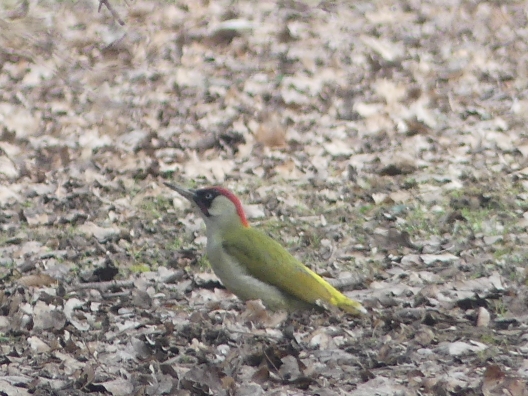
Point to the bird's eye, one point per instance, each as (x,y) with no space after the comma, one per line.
(208,196)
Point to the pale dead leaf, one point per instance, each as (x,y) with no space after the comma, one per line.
(18,119)
(102,234)
(254,211)
(189,77)
(37,345)
(400,196)
(386,15)
(390,91)
(460,348)
(430,259)
(257,312)
(38,219)
(8,168)
(388,50)
(380,385)
(69,309)
(380,198)
(118,387)
(213,170)
(131,141)
(320,339)
(483,317)
(90,140)
(12,390)
(366,110)
(8,196)
(523,148)
(290,368)
(337,149)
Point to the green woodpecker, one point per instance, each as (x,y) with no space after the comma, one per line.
(252,265)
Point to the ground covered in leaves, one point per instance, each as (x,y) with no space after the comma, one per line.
(383,143)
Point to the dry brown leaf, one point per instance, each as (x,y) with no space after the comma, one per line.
(271,133)
(37,280)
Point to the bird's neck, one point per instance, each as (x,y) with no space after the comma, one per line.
(223,226)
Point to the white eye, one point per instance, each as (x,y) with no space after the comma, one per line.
(208,196)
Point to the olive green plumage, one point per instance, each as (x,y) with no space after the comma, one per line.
(276,266)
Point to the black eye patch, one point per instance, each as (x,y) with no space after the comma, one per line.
(204,198)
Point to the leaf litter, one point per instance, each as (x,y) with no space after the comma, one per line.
(388,156)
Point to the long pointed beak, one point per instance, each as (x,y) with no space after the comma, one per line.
(189,194)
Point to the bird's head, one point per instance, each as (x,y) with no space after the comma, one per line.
(218,206)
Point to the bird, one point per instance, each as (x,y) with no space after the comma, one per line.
(252,265)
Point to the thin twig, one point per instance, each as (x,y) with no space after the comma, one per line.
(124,293)
(342,283)
(275,367)
(112,11)
(102,286)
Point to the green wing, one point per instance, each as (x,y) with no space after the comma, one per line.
(273,264)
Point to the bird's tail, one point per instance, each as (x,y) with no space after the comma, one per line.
(353,307)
